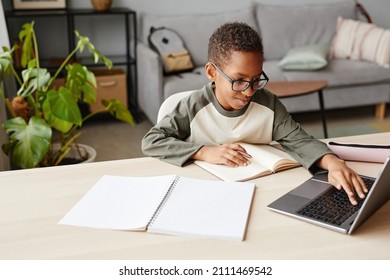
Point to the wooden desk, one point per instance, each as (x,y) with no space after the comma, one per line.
(297,88)
(33,201)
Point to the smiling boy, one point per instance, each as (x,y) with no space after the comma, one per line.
(235,107)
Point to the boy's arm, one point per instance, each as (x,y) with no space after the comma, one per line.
(166,140)
(315,155)
(168,147)
(301,146)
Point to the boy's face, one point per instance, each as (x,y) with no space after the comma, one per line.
(246,66)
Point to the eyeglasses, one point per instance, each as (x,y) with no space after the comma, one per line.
(242,85)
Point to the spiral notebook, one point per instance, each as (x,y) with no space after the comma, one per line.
(168,204)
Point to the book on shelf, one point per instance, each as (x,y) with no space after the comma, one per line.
(168,204)
(265,160)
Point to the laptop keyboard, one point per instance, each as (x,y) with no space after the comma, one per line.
(333,206)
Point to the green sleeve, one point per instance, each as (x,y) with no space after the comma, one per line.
(303,147)
(166,140)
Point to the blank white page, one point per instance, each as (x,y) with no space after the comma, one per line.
(118,202)
(206,208)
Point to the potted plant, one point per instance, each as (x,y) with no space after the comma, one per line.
(43,115)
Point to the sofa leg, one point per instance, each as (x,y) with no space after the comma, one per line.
(380,111)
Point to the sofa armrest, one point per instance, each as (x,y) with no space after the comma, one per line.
(150,81)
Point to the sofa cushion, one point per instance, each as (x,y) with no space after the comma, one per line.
(195,29)
(285,27)
(273,71)
(344,72)
(340,98)
(361,41)
(305,58)
(184,81)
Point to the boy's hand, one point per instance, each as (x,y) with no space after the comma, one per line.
(342,177)
(228,154)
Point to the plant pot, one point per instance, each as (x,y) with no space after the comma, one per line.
(78,153)
(101,5)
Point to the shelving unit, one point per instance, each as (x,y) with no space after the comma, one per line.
(127,59)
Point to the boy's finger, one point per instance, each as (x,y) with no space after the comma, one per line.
(245,154)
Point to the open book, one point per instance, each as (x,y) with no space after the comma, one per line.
(166,204)
(266,159)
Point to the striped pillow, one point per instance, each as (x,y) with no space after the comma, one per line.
(361,41)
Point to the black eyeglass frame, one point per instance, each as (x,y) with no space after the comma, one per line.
(248,83)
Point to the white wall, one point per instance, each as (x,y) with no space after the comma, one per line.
(378,9)
(3,29)
(4,163)
(112,41)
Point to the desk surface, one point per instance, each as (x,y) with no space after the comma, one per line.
(33,201)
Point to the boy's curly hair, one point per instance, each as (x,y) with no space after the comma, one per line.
(230,37)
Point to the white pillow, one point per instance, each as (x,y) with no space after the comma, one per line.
(361,41)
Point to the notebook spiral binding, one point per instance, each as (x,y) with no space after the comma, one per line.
(173,184)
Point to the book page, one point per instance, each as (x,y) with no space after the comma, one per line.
(240,173)
(214,209)
(118,202)
(269,156)
(265,160)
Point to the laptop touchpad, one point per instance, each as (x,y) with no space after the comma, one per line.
(311,188)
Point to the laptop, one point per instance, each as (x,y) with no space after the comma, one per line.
(318,202)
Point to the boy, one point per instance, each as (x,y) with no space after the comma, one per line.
(235,107)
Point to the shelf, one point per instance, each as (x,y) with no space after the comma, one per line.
(54,63)
(92,12)
(66,12)
(127,59)
(35,13)
(116,60)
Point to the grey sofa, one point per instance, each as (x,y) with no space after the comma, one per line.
(350,83)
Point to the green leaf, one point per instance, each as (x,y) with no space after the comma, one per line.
(89,89)
(33,79)
(84,42)
(117,109)
(75,78)
(61,109)
(81,82)
(32,63)
(26,35)
(29,143)
(6,61)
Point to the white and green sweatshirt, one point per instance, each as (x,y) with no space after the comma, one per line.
(199,120)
